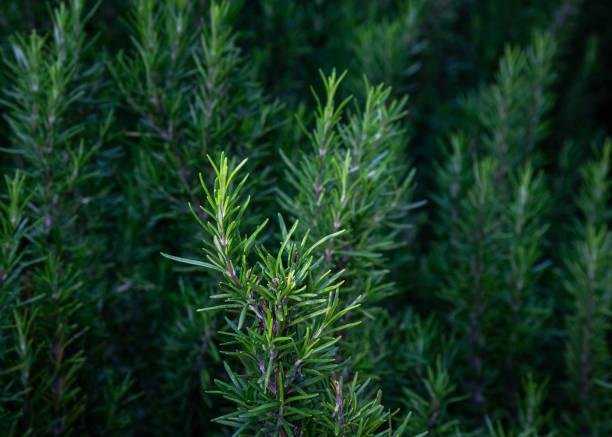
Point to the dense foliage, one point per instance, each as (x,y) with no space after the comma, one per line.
(305,218)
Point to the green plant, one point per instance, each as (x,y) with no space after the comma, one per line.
(284,316)
(442,238)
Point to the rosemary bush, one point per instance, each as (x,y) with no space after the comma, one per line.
(225,217)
